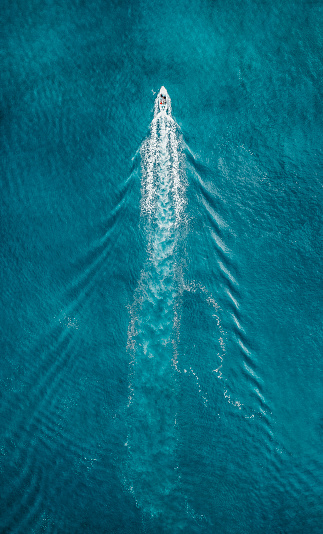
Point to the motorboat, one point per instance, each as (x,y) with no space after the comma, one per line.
(163,99)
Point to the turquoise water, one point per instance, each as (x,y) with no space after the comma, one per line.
(161,279)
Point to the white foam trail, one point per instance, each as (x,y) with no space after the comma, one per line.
(150,472)
(162,154)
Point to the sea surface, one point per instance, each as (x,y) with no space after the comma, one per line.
(161,276)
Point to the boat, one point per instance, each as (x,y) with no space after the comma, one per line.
(163,99)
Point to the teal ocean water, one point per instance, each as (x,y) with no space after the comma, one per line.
(161,276)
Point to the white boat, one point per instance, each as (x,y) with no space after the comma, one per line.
(163,99)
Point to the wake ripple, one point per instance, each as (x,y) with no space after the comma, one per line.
(38,440)
(256,418)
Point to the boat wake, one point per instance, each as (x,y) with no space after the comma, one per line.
(151,470)
(151,442)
